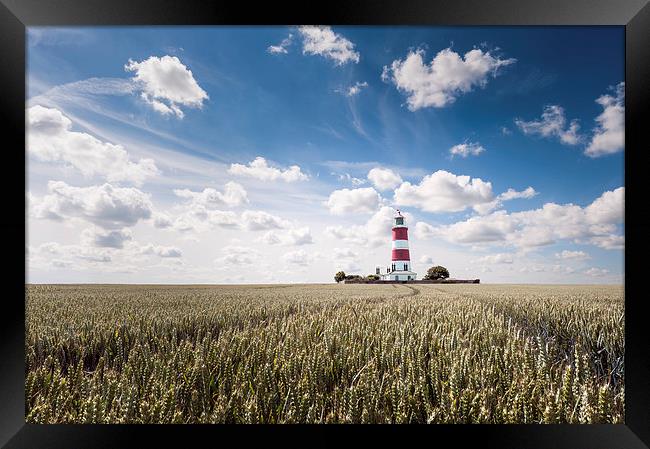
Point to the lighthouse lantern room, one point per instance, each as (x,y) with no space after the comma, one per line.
(400,267)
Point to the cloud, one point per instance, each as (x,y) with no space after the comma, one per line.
(233,195)
(508,195)
(346,260)
(351,234)
(349,178)
(596,224)
(562,269)
(167,84)
(299,257)
(196,217)
(161,220)
(282,47)
(572,255)
(609,135)
(466,149)
(256,220)
(608,241)
(532,269)
(384,178)
(344,253)
(106,206)
(353,90)
(375,232)
(289,237)
(321,40)
(426,259)
(51,139)
(512,194)
(500,258)
(353,201)
(348,266)
(53,254)
(112,238)
(596,272)
(552,124)
(608,208)
(444,192)
(260,169)
(161,251)
(446,77)
(237,255)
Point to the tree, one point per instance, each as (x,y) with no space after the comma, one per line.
(437,272)
(338,277)
(372,277)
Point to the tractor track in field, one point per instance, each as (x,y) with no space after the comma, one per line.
(414,292)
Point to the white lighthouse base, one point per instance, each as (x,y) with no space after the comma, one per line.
(399,276)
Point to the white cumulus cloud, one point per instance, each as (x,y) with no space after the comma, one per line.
(289,237)
(447,76)
(609,135)
(237,255)
(596,224)
(50,138)
(298,257)
(260,169)
(256,220)
(375,232)
(199,218)
(161,251)
(444,192)
(572,255)
(596,272)
(106,238)
(508,195)
(167,84)
(466,149)
(106,206)
(500,258)
(233,195)
(352,201)
(323,41)
(384,178)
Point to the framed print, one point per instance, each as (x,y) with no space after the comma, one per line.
(325,222)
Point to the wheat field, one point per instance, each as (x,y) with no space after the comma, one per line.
(324,354)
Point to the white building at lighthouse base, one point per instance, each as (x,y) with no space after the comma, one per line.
(397,274)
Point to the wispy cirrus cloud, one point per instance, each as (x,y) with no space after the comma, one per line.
(281,48)
(552,123)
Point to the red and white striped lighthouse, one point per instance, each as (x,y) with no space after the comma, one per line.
(400,268)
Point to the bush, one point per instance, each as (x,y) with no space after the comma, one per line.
(437,272)
(349,277)
(372,277)
(338,277)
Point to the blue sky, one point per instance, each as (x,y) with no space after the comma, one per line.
(422,106)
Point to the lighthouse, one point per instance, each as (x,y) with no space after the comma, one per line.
(400,267)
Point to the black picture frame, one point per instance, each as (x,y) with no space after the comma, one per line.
(16,15)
